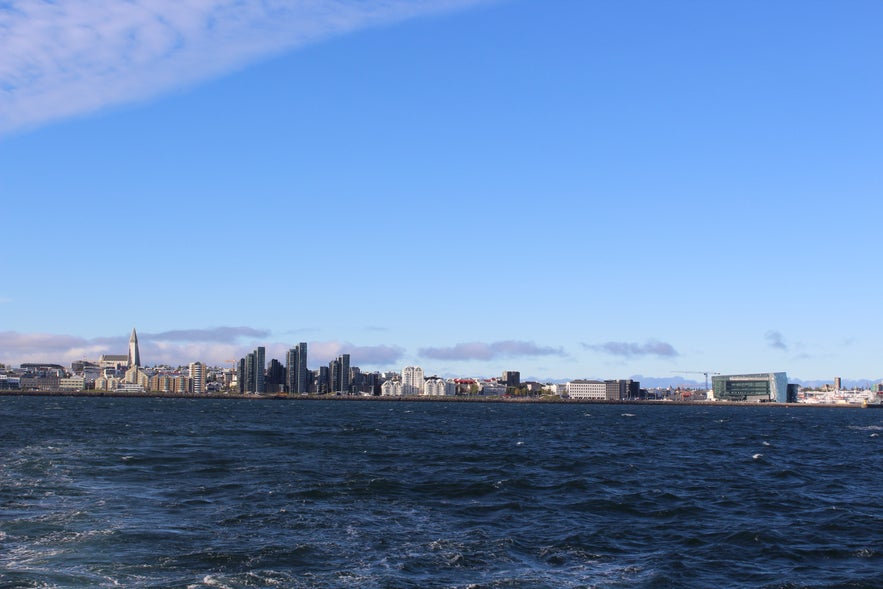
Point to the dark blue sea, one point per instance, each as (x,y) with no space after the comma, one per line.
(193,493)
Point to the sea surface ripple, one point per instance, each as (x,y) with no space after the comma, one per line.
(198,493)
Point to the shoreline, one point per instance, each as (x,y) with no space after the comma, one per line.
(424,399)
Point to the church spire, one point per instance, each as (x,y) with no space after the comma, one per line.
(134,355)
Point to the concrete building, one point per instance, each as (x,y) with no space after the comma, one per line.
(763,387)
(296,370)
(197,378)
(437,387)
(412,381)
(595,390)
(391,388)
(134,357)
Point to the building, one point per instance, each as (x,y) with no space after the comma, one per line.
(197,377)
(113,361)
(622,389)
(297,373)
(134,357)
(391,388)
(437,387)
(764,387)
(412,381)
(595,390)
(512,379)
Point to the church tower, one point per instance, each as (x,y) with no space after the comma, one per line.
(134,355)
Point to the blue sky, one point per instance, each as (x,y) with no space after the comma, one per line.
(571,189)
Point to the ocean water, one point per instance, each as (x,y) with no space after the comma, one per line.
(111,492)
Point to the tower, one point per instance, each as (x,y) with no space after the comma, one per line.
(297,369)
(134,355)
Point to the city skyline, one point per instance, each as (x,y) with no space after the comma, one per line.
(296,365)
(590,189)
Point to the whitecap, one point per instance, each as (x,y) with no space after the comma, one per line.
(757,456)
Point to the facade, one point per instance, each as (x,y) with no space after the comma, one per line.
(764,387)
(595,390)
(412,381)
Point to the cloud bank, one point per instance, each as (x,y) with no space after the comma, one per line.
(631,350)
(217,346)
(489,351)
(61,59)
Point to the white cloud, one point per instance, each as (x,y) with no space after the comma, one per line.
(61,59)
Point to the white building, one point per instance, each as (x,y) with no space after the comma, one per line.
(391,388)
(437,387)
(412,381)
(587,389)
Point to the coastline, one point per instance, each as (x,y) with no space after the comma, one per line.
(423,399)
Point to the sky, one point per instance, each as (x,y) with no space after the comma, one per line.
(570,189)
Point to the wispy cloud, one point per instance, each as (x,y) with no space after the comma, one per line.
(776,340)
(68,58)
(631,349)
(381,355)
(216,334)
(489,351)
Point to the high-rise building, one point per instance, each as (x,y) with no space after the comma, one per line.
(297,371)
(260,364)
(412,380)
(334,376)
(241,377)
(134,355)
(275,376)
(345,377)
(197,377)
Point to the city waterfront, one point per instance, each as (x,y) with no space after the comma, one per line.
(163,492)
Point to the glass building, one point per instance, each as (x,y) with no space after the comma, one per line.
(767,387)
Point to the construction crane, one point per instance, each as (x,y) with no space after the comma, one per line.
(706,373)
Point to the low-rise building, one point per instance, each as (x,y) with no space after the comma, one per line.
(595,390)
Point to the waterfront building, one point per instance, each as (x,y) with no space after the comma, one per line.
(345,376)
(412,380)
(275,381)
(391,388)
(135,375)
(107,383)
(763,387)
(72,383)
(241,376)
(296,370)
(437,387)
(260,365)
(334,376)
(512,379)
(595,390)
(617,390)
(197,378)
(134,357)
